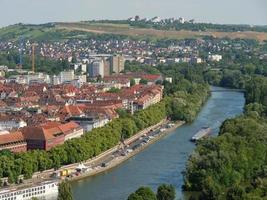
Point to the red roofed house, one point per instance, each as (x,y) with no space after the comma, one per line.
(14,142)
(72,110)
(152,78)
(152,95)
(71,130)
(51,134)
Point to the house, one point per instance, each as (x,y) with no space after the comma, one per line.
(71,111)
(150,95)
(43,138)
(90,121)
(9,122)
(50,134)
(71,130)
(15,142)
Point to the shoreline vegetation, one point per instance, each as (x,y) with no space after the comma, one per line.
(233,165)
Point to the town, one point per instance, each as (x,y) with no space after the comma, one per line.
(78,104)
(39,115)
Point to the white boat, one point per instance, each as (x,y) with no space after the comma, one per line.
(203,132)
(43,191)
(162,129)
(129,150)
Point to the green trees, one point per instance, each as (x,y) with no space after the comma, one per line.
(166,192)
(143,81)
(114,90)
(185,104)
(256,90)
(64,191)
(11,59)
(231,165)
(235,193)
(132,82)
(143,193)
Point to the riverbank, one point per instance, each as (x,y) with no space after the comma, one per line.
(47,175)
(165,160)
(119,160)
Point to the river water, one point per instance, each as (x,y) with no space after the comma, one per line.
(164,161)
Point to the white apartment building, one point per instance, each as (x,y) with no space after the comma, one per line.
(66,76)
(8,124)
(215,58)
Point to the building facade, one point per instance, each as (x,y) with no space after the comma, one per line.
(117,64)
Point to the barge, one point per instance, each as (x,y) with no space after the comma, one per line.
(202,133)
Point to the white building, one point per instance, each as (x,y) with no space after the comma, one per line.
(97,68)
(181,20)
(83,68)
(79,80)
(55,80)
(215,58)
(196,60)
(67,76)
(8,124)
(156,19)
(30,78)
(169,79)
(37,77)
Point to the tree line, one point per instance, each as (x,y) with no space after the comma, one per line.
(164,192)
(12,59)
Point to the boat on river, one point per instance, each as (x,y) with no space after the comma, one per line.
(202,133)
(44,191)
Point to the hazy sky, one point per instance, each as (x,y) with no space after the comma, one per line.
(217,11)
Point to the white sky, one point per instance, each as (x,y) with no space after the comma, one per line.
(217,11)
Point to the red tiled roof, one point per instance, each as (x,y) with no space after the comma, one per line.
(71,110)
(68,126)
(48,130)
(11,138)
(151,77)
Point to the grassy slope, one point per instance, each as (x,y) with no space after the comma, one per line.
(81,29)
(124,29)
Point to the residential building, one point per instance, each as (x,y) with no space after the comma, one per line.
(15,142)
(96,68)
(117,64)
(196,60)
(50,134)
(90,122)
(10,123)
(106,67)
(66,76)
(215,57)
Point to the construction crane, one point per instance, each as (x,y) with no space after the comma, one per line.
(33,57)
(21,47)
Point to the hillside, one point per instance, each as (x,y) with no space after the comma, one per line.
(125,29)
(61,31)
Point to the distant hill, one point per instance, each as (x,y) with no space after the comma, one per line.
(61,31)
(126,29)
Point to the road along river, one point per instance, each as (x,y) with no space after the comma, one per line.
(163,161)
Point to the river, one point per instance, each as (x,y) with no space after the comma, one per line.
(164,161)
